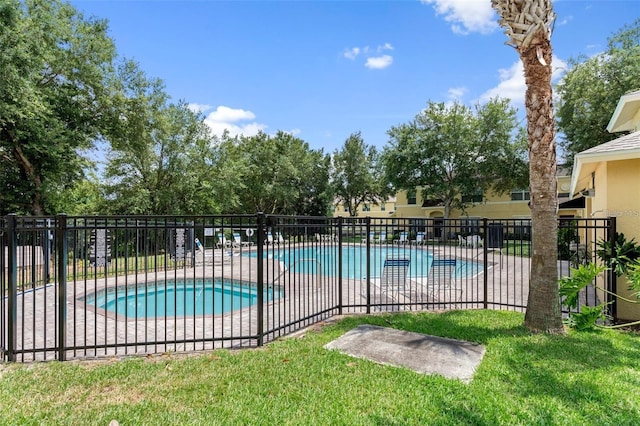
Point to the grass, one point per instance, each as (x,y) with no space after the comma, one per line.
(581,378)
(517,248)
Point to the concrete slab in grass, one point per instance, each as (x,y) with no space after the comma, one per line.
(454,359)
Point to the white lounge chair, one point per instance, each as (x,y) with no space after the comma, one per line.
(237,241)
(441,282)
(419,238)
(222,241)
(404,238)
(383,238)
(394,281)
(462,241)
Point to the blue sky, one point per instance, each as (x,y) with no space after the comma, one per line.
(325,69)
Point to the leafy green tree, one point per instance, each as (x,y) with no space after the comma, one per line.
(357,176)
(55,70)
(280,174)
(453,151)
(591,89)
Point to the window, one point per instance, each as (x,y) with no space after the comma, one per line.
(476,197)
(383,207)
(346,209)
(519,195)
(411,196)
(366,208)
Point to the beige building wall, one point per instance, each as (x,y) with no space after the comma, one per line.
(622,201)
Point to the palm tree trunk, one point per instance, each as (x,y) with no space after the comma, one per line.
(543,305)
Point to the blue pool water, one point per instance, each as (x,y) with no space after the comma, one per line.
(177,298)
(323,259)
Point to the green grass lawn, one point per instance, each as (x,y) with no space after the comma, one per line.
(582,378)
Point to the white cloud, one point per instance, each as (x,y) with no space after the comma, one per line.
(223,113)
(371,62)
(352,53)
(466,16)
(456,93)
(230,119)
(379,62)
(512,83)
(199,107)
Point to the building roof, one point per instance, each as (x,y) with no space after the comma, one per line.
(626,147)
(626,117)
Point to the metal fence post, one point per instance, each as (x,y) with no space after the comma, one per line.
(613,280)
(485,261)
(12,266)
(339,225)
(368,264)
(61,246)
(260,278)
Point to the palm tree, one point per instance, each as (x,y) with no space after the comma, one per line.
(528,24)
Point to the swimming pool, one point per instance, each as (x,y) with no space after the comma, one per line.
(178,298)
(324,259)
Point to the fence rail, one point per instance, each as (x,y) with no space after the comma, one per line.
(80,287)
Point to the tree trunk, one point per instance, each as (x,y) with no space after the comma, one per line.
(30,171)
(543,305)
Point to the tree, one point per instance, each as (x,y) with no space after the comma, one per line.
(54,73)
(280,174)
(591,89)
(357,176)
(528,27)
(162,159)
(452,152)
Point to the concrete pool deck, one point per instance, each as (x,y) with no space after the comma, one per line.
(308,300)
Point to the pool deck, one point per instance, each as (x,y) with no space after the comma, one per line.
(307,300)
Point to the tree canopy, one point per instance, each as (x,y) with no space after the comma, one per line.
(454,151)
(55,71)
(591,89)
(357,176)
(279,174)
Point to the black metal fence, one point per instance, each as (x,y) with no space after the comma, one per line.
(79,287)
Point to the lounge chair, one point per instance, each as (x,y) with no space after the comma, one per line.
(393,282)
(269,238)
(474,241)
(383,238)
(440,282)
(419,238)
(222,241)
(462,241)
(372,238)
(279,239)
(237,241)
(404,238)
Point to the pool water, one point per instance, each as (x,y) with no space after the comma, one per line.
(324,260)
(177,298)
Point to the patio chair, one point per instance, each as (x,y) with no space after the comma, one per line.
(382,239)
(393,282)
(419,239)
(404,238)
(223,242)
(440,281)
(237,241)
(462,241)
(474,241)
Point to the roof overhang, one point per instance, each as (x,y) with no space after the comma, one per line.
(627,114)
(586,163)
(576,203)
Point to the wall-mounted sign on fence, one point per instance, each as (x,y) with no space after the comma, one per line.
(100,247)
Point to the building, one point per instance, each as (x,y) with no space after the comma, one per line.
(606,178)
